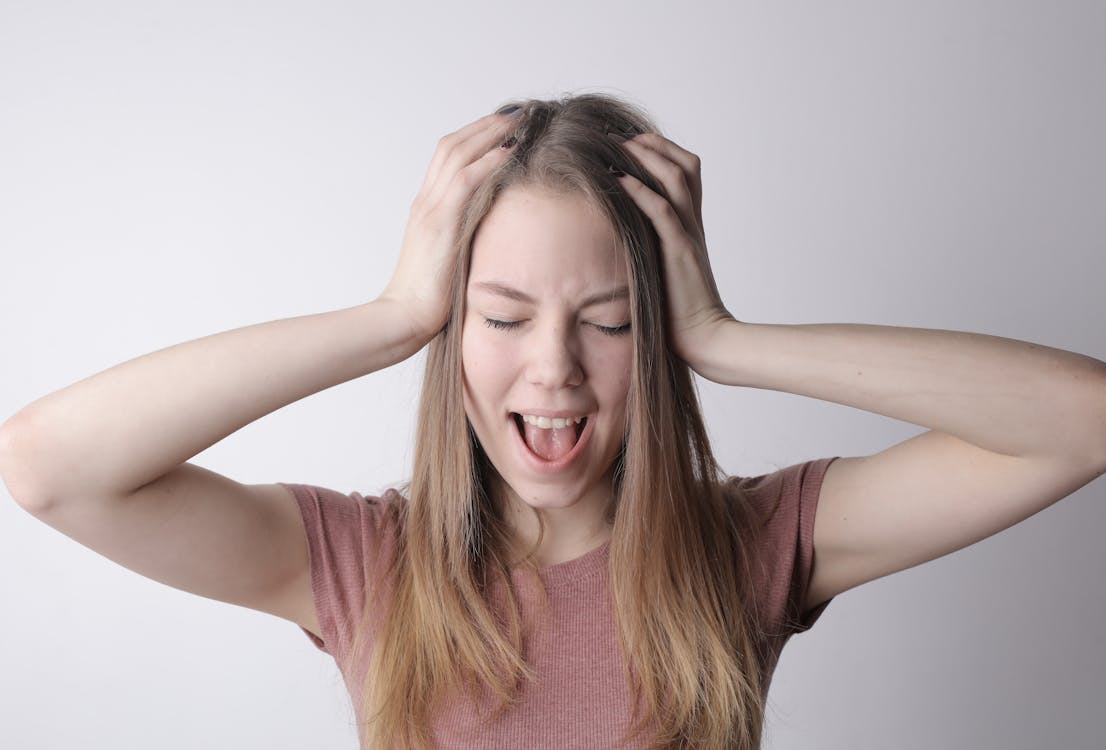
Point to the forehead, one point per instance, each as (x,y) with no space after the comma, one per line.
(540,239)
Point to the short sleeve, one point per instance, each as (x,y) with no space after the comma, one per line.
(786,501)
(346,535)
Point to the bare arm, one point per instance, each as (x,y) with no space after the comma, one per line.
(1014,427)
(104,460)
(121,428)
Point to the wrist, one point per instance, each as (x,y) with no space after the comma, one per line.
(716,350)
(406,332)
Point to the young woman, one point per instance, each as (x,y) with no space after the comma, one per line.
(568,566)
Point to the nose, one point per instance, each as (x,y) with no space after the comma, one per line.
(553,359)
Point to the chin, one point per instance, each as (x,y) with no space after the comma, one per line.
(557,496)
(549,500)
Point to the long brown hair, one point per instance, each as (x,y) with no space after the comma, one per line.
(679,554)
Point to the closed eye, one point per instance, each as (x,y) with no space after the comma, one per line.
(614,330)
(500,324)
(509,324)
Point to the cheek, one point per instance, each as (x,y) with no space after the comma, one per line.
(614,369)
(486,368)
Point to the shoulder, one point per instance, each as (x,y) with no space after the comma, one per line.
(775,511)
(350,540)
(789,488)
(351,519)
(782,506)
(334,501)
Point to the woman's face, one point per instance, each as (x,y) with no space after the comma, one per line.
(546,338)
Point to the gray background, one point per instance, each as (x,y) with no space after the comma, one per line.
(168,171)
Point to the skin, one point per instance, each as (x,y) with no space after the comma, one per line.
(553,352)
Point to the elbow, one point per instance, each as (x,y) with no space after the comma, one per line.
(15,467)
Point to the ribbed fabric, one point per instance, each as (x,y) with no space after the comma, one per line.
(580,699)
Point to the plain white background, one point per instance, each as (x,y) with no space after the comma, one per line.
(172,170)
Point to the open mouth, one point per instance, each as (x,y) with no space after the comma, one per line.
(549,440)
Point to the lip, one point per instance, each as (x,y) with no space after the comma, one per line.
(540,465)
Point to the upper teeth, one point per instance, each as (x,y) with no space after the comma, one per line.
(555,423)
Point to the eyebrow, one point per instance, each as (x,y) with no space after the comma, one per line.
(502,290)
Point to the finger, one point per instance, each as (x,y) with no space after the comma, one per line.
(461,186)
(660,211)
(671,177)
(691,163)
(447,142)
(677,248)
(690,166)
(459,149)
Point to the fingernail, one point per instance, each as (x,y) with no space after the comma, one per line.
(510,109)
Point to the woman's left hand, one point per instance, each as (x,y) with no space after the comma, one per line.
(695,310)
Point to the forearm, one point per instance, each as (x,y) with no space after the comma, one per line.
(1004,395)
(130,424)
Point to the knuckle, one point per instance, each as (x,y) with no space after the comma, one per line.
(671,171)
(466,178)
(445,143)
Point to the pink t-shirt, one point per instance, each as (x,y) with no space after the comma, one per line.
(580,699)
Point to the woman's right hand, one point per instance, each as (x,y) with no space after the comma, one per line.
(422,281)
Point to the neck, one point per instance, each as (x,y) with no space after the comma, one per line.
(569,532)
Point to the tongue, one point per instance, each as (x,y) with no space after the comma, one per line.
(550,444)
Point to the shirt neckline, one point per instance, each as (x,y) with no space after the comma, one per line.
(576,569)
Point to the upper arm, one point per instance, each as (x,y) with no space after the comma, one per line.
(923,498)
(201,532)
